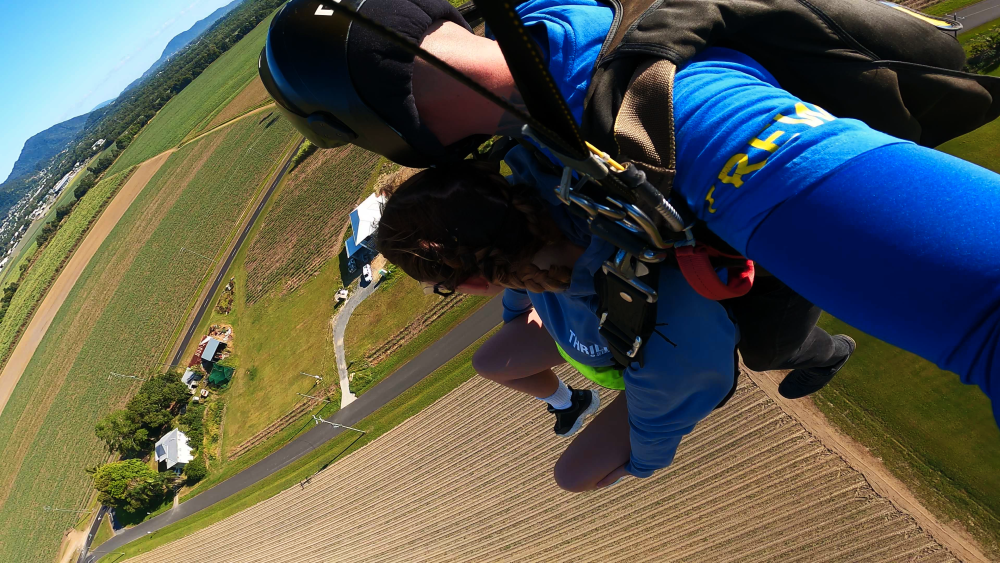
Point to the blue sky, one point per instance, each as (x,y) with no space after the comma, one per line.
(60,58)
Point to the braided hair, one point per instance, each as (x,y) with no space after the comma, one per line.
(447,224)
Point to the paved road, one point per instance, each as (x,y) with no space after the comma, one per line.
(460,338)
(93,532)
(176,360)
(978,14)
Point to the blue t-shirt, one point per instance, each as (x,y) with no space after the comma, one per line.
(898,240)
(688,365)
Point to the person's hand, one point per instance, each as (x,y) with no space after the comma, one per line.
(613,477)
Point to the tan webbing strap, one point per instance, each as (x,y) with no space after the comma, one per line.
(644,127)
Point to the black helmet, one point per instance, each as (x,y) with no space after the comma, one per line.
(306,67)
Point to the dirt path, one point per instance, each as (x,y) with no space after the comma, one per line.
(270,106)
(858,457)
(60,289)
(71,545)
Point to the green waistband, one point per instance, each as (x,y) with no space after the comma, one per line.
(605,377)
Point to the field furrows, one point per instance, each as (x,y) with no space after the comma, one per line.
(398,340)
(470,479)
(302,230)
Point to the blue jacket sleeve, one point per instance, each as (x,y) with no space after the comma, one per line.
(688,370)
(515,304)
(898,240)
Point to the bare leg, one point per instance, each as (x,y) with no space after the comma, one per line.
(520,356)
(601,447)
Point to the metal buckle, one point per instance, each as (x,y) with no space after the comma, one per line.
(623,268)
(635,347)
(591,165)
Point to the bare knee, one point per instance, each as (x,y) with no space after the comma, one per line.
(486,363)
(570,478)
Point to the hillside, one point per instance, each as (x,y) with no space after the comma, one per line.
(45,145)
(182,39)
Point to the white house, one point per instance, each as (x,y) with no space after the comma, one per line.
(364,221)
(173,449)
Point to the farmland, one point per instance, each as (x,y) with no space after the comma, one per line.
(196,104)
(451,484)
(285,277)
(119,317)
(51,259)
(306,222)
(251,97)
(395,324)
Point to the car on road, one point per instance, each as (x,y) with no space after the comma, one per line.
(366,273)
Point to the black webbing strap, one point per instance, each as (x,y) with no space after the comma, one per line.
(534,81)
(627,317)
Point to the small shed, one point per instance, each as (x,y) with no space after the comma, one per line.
(211,347)
(189,377)
(173,449)
(220,375)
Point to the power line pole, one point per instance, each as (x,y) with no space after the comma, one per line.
(53,509)
(316,377)
(123,376)
(318,420)
(197,254)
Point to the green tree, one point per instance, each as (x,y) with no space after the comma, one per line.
(122,433)
(129,484)
(195,471)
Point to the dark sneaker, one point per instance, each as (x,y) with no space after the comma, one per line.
(806,381)
(570,420)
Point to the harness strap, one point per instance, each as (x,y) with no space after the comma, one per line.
(532,77)
(628,314)
(695,263)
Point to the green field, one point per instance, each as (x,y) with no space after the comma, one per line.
(198,102)
(410,402)
(933,432)
(398,313)
(52,258)
(948,7)
(121,316)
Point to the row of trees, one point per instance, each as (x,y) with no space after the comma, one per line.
(130,431)
(132,484)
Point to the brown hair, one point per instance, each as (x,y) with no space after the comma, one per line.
(447,224)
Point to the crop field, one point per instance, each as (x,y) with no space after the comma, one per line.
(469,479)
(304,227)
(201,100)
(283,301)
(120,317)
(251,97)
(47,264)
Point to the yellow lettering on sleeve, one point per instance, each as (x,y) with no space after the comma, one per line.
(806,116)
(768,143)
(711,200)
(742,164)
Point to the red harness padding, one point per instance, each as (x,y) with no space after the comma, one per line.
(698,271)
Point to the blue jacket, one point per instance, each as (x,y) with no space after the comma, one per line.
(898,240)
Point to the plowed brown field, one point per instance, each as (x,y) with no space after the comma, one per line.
(470,479)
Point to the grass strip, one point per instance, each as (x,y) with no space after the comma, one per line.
(410,402)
